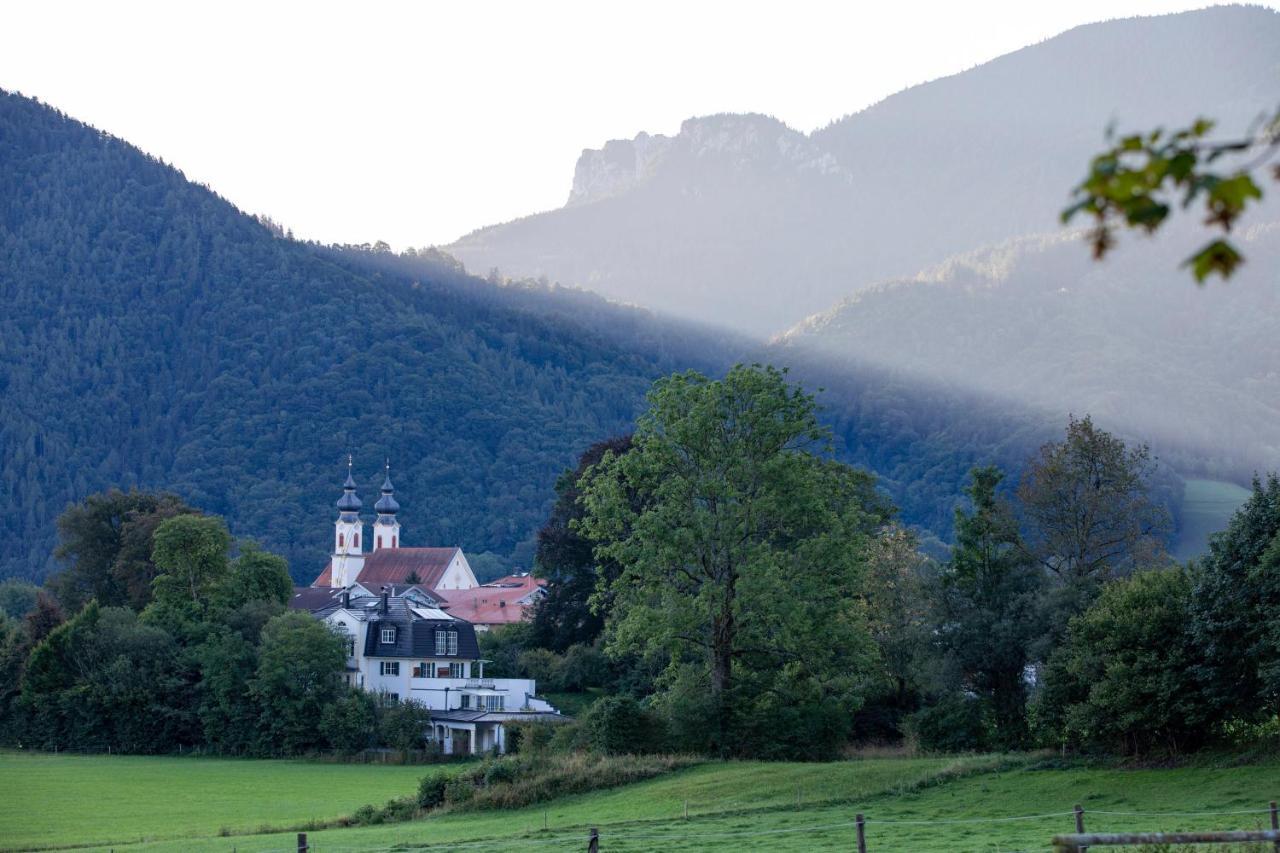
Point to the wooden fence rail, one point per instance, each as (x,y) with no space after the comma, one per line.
(1077,842)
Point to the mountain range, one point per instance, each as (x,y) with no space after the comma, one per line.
(739,219)
(156,336)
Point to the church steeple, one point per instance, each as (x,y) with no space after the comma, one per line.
(348,556)
(386,528)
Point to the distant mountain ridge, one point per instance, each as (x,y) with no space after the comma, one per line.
(1037,322)
(742,221)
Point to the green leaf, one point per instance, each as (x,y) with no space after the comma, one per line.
(1218,257)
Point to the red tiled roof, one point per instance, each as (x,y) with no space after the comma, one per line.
(495,603)
(394,565)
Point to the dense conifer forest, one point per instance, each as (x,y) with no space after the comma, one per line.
(155,336)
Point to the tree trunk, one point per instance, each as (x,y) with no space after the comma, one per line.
(724,633)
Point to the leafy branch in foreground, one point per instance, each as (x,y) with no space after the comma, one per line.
(1136,182)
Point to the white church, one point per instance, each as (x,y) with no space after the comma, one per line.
(389,603)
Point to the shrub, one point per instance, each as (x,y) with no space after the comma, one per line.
(350,722)
(459,789)
(404,726)
(431,789)
(955,724)
(543,666)
(530,737)
(500,771)
(618,725)
(366,816)
(581,667)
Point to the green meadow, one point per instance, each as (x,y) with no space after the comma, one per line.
(983,803)
(1207,506)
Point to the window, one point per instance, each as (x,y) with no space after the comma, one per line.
(389,699)
(389,635)
(422,670)
(446,642)
(466,701)
(341,540)
(390,667)
(393,542)
(493,703)
(351,647)
(379,541)
(356,543)
(455,670)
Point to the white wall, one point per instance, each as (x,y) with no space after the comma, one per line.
(458,574)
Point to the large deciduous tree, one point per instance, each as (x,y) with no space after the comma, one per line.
(741,552)
(299,665)
(107,542)
(565,558)
(1127,676)
(1088,504)
(191,555)
(988,601)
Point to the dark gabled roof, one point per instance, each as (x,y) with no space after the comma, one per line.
(415,637)
(317,600)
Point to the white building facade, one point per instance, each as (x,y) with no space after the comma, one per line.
(400,645)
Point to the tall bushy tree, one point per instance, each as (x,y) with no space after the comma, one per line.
(565,557)
(742,558)
(299,662)
(255,575)
(17,597)
(191,555)
(898,581)
(1127,677)
(987,602)
(107,541)
(104,678)
(1087,500)
(1237,596)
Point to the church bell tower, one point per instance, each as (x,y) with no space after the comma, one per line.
(348,556)
(386,528)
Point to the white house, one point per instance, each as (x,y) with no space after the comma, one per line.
(402,646)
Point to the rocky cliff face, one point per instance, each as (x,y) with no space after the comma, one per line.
(620,166)
(740,144)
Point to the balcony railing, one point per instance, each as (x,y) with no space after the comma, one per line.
(480,683)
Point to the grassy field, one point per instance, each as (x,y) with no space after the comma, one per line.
(1207,507)
(77,799)
(912,804)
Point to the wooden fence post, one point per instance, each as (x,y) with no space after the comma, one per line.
(593,841)
(1275,822)
(862,833)
(302,843)
(1080,825)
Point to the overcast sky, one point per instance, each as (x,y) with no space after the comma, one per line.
(418,122)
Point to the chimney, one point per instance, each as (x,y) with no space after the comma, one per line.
(346,598)
(385,595)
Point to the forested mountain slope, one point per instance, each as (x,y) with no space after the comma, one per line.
(154,335)
(1131,341)
(742,220)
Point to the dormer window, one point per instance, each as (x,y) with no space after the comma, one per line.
(446,642)
(388,635)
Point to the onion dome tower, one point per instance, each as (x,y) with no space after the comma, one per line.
(348,558)
(386,528)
